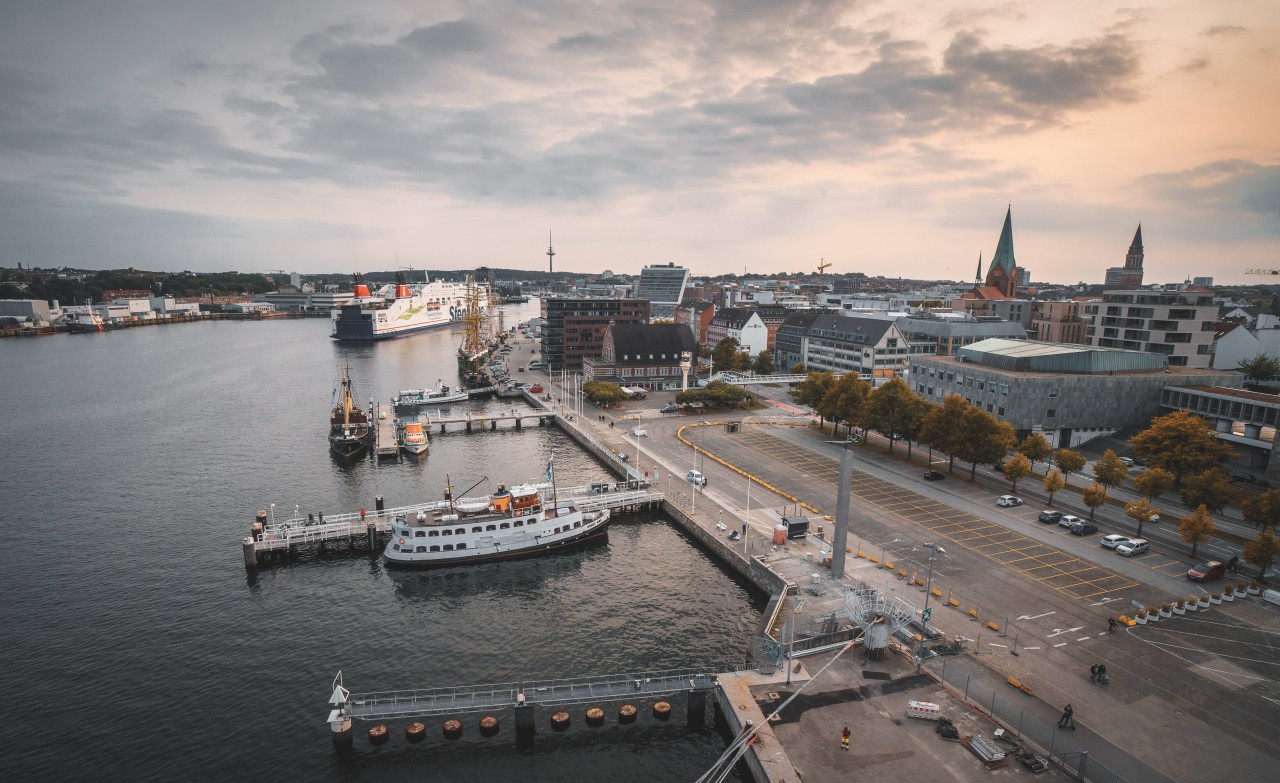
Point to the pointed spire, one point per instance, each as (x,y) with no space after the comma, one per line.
(977,278)
(1004,247)
(1137,240)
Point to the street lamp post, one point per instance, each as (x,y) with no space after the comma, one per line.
(925,615)
(791,646)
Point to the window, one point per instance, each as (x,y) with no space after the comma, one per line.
(1052,413)
(488,527)
(1053,392)
(462,545)
(421,549)
(999,411)
(519,523)
(433,534)
(448,547)
(504,526)
(419,534)
(460,530)
(475,530)
(435,548)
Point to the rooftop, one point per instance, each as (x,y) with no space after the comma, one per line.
(1035,356)
(1178,376)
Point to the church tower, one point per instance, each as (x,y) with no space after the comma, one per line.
(1131,276)
(1003,273)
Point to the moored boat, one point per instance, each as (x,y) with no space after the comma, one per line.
(511,523)
(413,437)
(399,309)
(416,398)
(349,430)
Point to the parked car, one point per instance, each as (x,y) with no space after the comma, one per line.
(1068,521)
(1008,500)
(1083,529)
(1207,571)
(1135,546)
(669,409)
(1128,461)
(1114,540)
(1049,516)
(696,478)
(536,389)
(933,475)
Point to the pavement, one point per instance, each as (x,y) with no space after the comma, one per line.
(1190,697)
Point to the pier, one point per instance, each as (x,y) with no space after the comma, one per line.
(365,527)
(386,443)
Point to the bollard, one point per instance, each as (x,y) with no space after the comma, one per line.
(378,505)
(371,532)
(696,711)
(250,553)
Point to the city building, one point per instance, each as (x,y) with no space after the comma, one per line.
(35,312)
(1202,282)
(742,324)
(1070,393)
(1236,343)
(697,315)
(788,344)
(648,356)
(302,301)
(1175,324)
(1058,322)
(573,327)
(772,315)
(942,336)
(663,286)
(871,347)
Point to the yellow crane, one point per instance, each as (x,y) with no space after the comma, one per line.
(822,274)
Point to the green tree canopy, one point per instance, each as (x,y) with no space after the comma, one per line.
(764,364)
(1260,368)
(725,355)
(812,389)
(984,439)
(1181,443)
(846,400)
(1211,489)
(1196,528)
(716,394)
(1069,461)
(1110,471)
(895,411)
(1262,510)
(603,393)
(1139,511)
(943,427)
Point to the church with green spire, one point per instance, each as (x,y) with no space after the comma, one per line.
(1002,275)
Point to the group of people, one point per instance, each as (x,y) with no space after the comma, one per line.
(1098,673)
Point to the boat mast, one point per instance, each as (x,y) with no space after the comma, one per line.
(551,477)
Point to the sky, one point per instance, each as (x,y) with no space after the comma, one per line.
(887,138)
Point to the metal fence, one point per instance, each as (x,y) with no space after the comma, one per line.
(1061,751)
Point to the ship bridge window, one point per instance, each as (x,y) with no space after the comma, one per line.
(463,545)
(491,527)
(577,524)
(421,549)
(446,532)
(475,530)
(419,534)
(435,547)
(532,522)
(433,533)
(460,530)
(519,523)
(448,547)
(557,530)
(504,526)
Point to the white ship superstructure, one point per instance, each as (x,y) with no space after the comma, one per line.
(398,309)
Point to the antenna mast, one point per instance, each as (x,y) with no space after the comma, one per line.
(551,254)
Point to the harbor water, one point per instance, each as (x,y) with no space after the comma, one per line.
(136,646)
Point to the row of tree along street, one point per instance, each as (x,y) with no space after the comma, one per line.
(1178,451)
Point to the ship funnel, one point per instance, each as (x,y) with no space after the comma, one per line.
(402,292)
(361,290)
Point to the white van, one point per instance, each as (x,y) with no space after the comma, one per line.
(696,478)
(535,365)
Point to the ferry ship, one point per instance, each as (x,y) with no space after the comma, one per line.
(511,523)
(409,399)
(399,309)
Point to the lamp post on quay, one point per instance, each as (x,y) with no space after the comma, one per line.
(925,615)
(791,646)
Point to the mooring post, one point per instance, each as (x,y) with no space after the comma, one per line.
(343,736)
(371,532)
(250,553)
(524,720)
(378,504)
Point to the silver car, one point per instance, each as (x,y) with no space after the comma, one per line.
(1114,540)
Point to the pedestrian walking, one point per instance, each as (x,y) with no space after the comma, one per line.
(1093,673)
(844,738)
(1111,625)
(1232,563)
(1066,721)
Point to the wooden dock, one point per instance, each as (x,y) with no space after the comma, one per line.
(386,444)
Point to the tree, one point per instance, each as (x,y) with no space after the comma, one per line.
(799,369)
(983,438)
(743,361)
(845,401)
(1260,368)
(1034,447)
(1094,495)
(811,390)
(1181,443)
(1211,489)
(1053,482)
(1262,552)
(1110,471)
(1196,527)
(1153,483)
(1015,468)
(1139,511)
(1262,510)
(764,363)
(893,410)
(943,428)
(603,393)
(1069,461)
(725,355)
(717,394)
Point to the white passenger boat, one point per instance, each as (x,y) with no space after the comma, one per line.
(511,523)
(398,310)
(441,395)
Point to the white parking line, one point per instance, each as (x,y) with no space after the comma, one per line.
(1082,638)
(1060,644)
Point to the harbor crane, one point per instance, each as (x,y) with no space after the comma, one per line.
(822,274)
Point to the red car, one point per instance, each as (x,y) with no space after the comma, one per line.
(1207,571)
(536,390)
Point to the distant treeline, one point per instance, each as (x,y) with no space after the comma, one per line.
(46,286)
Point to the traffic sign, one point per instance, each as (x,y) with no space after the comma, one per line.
(925,615)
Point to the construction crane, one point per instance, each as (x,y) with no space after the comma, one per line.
(822,275)
(1262,271)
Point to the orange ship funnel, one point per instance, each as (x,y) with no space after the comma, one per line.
(402,292)
(361,289)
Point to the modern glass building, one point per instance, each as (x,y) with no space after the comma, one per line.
(663,286)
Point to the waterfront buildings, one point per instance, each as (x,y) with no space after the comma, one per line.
(649,356)
(663,286)
(573,328)
(1176,324)
(1071,393)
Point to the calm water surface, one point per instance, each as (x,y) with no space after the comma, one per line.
(136,647)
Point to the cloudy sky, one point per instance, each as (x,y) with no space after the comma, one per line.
(885,137)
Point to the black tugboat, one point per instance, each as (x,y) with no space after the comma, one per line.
(349,430)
